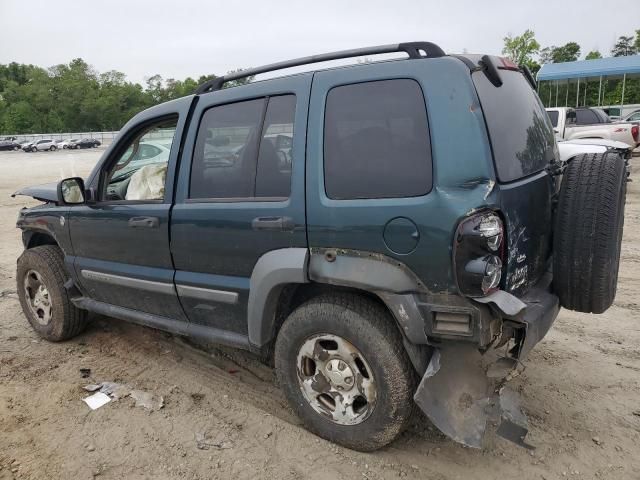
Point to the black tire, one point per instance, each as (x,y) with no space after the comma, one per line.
(370,329)
(588,232)
(67,320)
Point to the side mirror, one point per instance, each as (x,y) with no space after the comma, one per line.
(71,191)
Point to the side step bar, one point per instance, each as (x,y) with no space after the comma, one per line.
(192,330)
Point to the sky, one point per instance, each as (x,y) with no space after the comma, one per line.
(183,38)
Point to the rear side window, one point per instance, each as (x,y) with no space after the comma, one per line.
(586,117)
(376,141)
(553,116)
(519,128)
(243,151)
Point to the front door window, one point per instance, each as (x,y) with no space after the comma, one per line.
(140,171)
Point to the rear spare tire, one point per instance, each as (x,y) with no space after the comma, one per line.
(588,231)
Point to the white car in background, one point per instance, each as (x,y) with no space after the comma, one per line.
(66,143)
(44,144)
(568,125)
(632,117)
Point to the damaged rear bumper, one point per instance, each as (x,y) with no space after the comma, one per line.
(463,391)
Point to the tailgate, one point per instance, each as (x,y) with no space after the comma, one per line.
(523,145)
(527,208)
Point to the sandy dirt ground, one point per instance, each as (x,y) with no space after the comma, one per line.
(581,391)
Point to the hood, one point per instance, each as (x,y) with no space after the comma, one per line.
(45,193)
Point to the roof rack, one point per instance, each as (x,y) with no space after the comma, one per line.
(413,49)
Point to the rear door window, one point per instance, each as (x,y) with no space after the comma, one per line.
(376,141)
(244,150)
(519,129)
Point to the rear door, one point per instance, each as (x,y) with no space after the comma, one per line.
(240,195)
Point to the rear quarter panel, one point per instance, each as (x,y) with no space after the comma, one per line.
(463,177)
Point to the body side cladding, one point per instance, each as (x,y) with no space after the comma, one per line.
(273,271)
(122,281)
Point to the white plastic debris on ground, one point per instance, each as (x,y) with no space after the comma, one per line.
(116,391)
(97,400)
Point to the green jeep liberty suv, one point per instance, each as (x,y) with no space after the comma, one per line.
(389,234)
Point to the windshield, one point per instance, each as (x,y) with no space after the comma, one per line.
(519,128)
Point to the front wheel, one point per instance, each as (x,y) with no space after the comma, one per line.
(344,370)
(45,302)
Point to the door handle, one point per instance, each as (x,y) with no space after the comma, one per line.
(281,224)
(144,222)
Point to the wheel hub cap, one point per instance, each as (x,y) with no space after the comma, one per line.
(37,297)
(335,379)
(339,374)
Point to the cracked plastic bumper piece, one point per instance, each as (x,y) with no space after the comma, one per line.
(462,393)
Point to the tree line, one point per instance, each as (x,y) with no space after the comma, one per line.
(525,50)
(74,97)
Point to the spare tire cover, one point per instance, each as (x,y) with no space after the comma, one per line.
(588,231)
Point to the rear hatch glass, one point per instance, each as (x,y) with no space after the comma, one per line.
(519,128)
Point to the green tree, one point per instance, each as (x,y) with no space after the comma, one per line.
(521,48)
(636,44)
(623,47)
(593,55)
(240,81)
(568,52)
(546,55)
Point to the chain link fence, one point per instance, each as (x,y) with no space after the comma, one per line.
(105,137)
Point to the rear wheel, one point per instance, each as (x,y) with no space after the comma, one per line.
(588,231)
(342,365)
(45,302)
(52,148)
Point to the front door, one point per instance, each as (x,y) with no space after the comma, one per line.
(121,242)
(240,195)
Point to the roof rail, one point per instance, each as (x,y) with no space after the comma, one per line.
(413,49)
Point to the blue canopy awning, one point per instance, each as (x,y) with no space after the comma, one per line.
(590,68)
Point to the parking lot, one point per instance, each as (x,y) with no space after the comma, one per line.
(223,416)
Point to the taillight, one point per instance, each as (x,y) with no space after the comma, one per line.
(478,254)
(634,132)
